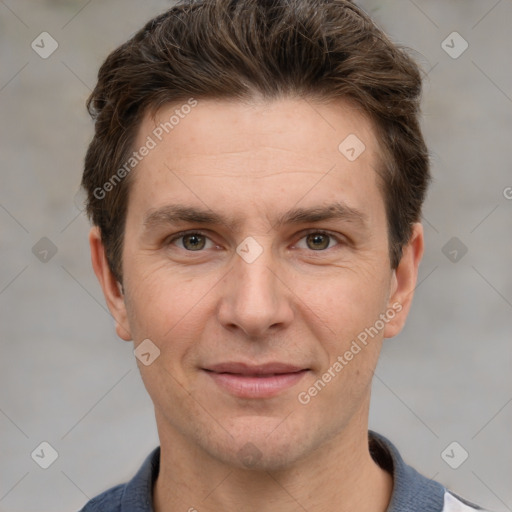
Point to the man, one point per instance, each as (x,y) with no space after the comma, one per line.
(255,183)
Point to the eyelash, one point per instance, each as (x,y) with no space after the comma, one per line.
(182,234)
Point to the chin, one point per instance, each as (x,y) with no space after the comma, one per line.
(256,457)
(266,445)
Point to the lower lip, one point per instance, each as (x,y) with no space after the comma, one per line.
(256,387)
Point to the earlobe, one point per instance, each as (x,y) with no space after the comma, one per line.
(112,289)
(403,281)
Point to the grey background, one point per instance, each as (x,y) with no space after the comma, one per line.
(67,379)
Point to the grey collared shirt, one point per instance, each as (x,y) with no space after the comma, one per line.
(412,492)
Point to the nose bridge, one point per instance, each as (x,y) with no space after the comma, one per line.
(256,279)
(254,298)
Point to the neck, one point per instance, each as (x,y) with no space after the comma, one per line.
(340,476)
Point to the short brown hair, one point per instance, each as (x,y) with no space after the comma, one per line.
(240,49)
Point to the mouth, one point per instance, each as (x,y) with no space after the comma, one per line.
(255,381)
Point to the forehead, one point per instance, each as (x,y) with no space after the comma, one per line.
(230,125)
(221,155)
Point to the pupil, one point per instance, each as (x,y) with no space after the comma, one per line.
(318,238)
(196,241)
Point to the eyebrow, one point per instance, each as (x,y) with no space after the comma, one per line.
(178,213)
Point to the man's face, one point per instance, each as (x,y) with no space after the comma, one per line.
(263,286)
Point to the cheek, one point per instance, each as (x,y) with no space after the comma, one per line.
(347,302)
(169,312)
(161,299)
(350,347)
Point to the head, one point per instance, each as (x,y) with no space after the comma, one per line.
(261,115)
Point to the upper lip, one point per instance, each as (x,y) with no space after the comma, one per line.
(259,369)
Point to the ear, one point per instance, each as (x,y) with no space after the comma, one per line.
(109,284)
(403,281)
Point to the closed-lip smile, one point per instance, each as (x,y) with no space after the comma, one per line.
(255,381)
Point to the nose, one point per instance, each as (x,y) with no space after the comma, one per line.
(255,298)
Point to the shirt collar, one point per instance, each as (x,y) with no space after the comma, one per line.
(138,493)
(410,488)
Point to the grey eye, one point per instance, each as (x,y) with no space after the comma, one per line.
(318,241)
(194,241)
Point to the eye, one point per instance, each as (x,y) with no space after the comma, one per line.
(192,241)
(319,240)
(196,241)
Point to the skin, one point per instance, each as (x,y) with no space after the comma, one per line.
(295,303)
